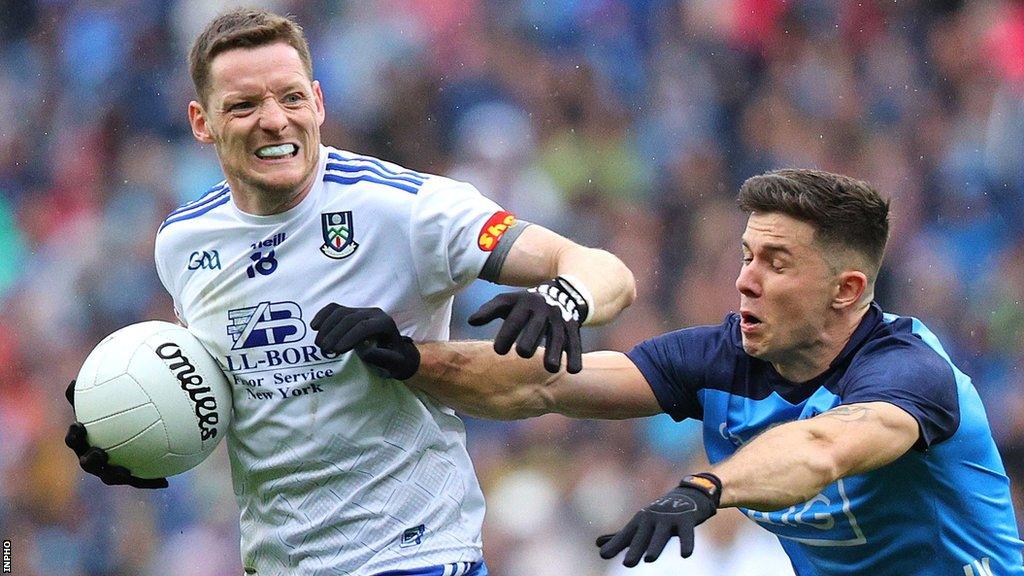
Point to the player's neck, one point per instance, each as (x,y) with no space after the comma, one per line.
(260,202)
(815,358)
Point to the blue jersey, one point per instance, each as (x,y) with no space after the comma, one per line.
(942,508)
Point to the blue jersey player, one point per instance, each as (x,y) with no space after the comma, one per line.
(844,430)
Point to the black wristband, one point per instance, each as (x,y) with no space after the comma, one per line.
(705,482)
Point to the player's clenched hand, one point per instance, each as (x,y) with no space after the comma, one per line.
(552,311)
(94,460)
(371,333)
(674,514)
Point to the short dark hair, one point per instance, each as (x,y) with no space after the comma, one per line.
(243,28)
(845,212)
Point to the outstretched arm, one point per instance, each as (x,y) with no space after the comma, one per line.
(791,463)
(784,466)
(473,379)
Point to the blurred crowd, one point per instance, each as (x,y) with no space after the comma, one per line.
(623,124)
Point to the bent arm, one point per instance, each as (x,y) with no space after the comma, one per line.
(791,463)
(473,379)
(539,254)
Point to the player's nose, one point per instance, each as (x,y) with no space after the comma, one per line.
(748,282)
(272,116)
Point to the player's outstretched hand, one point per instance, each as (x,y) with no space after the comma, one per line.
(94,460)
(552,311)
(674,514)
(371,333)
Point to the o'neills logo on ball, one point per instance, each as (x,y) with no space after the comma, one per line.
(192,383)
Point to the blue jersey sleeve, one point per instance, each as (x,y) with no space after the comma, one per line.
(676,366)
(913,377)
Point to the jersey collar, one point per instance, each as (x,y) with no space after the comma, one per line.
(300,209)
(797,392)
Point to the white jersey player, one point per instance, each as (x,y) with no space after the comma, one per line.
(334,466)
(338,468)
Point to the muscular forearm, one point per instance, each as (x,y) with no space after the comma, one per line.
(471,378)
(609,280)
(784,466)
(791,463)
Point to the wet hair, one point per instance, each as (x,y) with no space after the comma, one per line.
(243,28)
(847,214)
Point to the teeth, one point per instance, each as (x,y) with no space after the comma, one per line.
(276,151)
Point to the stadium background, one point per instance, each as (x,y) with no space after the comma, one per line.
(624,125)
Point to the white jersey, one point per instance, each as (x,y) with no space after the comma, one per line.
(336,469)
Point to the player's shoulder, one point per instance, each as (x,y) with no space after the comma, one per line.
(345,168)
(725,334)
(902,348)
(712,343)
(679,364)
(184,219)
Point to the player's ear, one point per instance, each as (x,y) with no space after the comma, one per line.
(199,122)
(318,96)
(850,286)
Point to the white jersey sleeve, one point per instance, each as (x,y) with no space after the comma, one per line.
(161,256)
(175,257)
(446,224)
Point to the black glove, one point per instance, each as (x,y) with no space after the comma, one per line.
(371,333)
(674,514)
(553,310)
(94,460)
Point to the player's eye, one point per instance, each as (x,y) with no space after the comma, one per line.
(240,107)
(294,98)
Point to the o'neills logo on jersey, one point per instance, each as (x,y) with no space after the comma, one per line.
(494,228)
(339,234)
(202,398)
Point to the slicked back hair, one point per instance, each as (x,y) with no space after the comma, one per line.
(243,28)
(846,213)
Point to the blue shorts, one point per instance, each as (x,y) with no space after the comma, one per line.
(452,569)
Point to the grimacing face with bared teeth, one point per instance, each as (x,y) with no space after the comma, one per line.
(786,288)
(263,114)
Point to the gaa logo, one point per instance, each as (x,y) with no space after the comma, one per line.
(205,259)
(265,324)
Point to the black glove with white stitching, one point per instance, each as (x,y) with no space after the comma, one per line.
(552,311)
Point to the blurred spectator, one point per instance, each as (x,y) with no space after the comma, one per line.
(624,124)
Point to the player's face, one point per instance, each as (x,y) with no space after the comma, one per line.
(263,114)
(786,287)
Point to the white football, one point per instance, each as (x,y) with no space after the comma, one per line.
(153,398)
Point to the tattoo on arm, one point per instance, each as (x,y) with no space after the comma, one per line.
(848,413)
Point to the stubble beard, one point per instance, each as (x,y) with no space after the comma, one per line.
(275,195)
